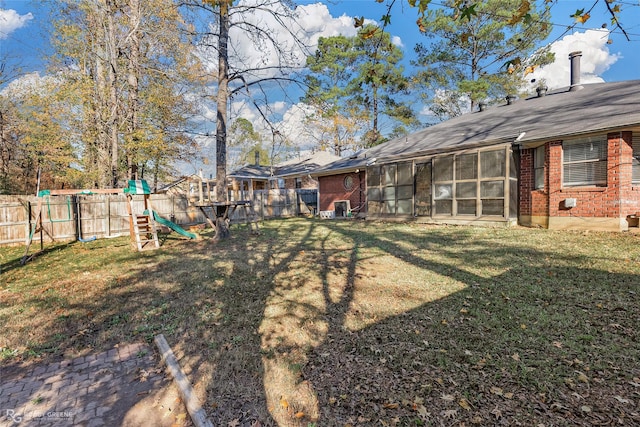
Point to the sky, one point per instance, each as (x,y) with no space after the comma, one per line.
(606,56)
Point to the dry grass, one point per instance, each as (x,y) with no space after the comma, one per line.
(331,323)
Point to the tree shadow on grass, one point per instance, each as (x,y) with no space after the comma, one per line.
(537,342)
(275,329)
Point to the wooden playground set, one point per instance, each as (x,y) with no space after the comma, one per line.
(144,224)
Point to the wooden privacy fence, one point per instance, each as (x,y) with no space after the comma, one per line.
(101,215)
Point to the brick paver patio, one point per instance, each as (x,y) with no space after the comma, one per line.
(94,390)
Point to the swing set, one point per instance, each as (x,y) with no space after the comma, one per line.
(39,225)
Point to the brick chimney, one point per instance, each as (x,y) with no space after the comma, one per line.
(574,57)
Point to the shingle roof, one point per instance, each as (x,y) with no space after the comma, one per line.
(293,167)
(252,171)
(596,108)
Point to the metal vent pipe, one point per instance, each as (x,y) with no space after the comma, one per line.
(574,57)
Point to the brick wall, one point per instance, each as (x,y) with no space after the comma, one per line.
(617,200)
(332,188)
(526,181)
(592,202)
(535,202)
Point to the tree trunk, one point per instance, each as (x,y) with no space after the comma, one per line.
(133,82)
(222,229)
(112,77)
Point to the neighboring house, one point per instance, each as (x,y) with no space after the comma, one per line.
(194,187)
(246,180)
(567,159)
(292,174)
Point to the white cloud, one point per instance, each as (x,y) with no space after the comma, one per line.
(596,59)
(10,20)
(293,36)
(397,41)
(28,84)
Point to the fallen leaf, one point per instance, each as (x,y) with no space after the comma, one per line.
(508,395)
(422,411)
(585,408)
(496,390)
(448,397)
(477,420)
(284,403)
(299,415)
(449,413)
(464,311)
(582,378)
(516,357)
(464,403)
(233,423)
(557,344)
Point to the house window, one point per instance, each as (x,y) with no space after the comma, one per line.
(348,182)
(276,183)
(538,167)
(584,161)
(298,182)
(635,160)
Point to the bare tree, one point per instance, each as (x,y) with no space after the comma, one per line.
(243,74)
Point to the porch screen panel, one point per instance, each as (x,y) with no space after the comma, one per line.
(492,164)
(443,169)
(492,197)
(443,185)
(466,166)
(635,160)
(443,198)
(423,189)
(466,196)
(388,182)
(374,193)
(466,174)
(404,194)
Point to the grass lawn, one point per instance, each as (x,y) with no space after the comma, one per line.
(338,323)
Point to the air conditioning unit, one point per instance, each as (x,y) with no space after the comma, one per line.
(570,202)
(327,214)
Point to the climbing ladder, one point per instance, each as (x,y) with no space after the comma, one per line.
(141,227)
(251,217)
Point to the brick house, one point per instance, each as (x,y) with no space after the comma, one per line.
(291,174)
(567,159)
